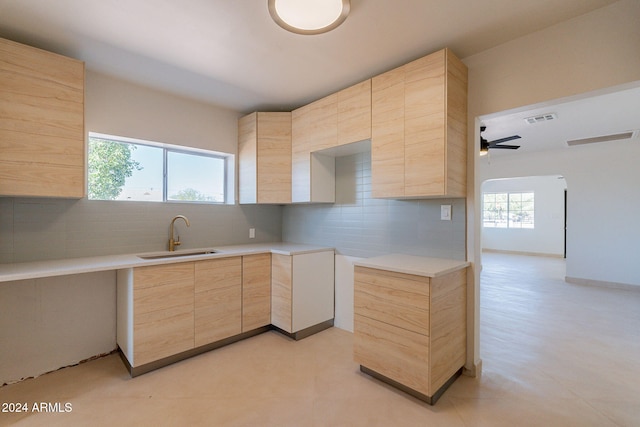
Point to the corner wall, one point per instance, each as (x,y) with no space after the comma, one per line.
(590,52)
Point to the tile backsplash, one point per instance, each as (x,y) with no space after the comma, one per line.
(358,225)
(40,229)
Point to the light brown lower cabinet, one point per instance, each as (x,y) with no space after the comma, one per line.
(302,297)
(155,312)
(172,311)
(169,312)
(218,299)
(256,291)
(410,330)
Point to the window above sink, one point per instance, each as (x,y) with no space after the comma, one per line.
(122,168)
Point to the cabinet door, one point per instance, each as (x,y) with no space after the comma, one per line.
(281,291)
(42,128)
(397,299)
(163,311)
(418,142)
(248,158)
(387,134)
(354,113)
(313,289)
(218,299)
(274,158)
(256,291)
(425,136)
(456,172)
(448,326)
(264,158)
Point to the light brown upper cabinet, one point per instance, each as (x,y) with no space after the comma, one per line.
(335,120)
(264,151)
(42,151)
(419,127)
(354,113)
(314,128)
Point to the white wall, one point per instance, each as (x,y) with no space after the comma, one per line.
(603,236)
(49,323)
(592,51)
(547,236)
(116,107)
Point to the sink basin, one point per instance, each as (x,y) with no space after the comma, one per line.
(160,255)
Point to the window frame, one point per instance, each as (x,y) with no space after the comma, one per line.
(227,158)
(509,210)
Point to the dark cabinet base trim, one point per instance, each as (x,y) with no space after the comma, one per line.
(431,400)
(148,367)
(143,369)
(305,332)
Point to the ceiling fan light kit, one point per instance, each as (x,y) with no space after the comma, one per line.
(486,145)
(309,16)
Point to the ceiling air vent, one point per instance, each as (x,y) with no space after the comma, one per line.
(604,138)
(541,118)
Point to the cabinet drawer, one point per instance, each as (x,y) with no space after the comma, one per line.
(396,353)
(218,273)
(156,275)
(162,297)
(396,307)
(392,299)
(389,279)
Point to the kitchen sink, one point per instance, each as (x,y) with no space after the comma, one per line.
(176,254)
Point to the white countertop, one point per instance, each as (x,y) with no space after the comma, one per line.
(61,267)
(410,264)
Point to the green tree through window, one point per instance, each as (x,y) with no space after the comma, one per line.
(110,164)
(122,168)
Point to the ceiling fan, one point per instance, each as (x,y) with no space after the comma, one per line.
(486,145)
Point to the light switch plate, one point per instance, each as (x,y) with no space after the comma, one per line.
(252,233)
(445,212)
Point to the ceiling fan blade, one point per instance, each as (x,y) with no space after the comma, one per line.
(508,138)
(508,147)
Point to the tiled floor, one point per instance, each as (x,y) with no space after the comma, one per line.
(554,354)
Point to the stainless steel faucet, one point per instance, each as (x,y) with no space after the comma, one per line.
(173,243)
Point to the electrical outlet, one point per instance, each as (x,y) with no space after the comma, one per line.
(445,212)
(252,233)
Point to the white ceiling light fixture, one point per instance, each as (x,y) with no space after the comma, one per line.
(309,16)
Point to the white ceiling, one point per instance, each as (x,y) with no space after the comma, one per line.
(230,52)
(601,113)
